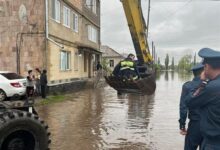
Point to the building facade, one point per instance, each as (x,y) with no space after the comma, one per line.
(62,36)
(111,56)
(22,35)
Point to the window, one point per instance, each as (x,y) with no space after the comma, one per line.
(92,34)
(56,10)
(111,63)
(75,22)
(94,6)
(65,60)
(76,61)
(89,3)
(66,16)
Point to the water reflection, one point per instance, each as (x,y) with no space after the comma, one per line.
(96,119)
(185,76)
(166,76)
(172,75)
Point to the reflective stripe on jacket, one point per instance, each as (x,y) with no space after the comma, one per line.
(127,65)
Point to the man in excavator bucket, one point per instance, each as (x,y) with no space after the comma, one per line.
(127,68)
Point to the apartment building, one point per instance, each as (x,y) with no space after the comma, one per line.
(62,36)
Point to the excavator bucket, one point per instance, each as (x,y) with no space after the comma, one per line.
(146,85)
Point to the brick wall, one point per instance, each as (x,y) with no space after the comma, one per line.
(16,18)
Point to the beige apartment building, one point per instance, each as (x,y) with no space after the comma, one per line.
(62,36)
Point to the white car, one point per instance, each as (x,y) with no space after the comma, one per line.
(11,85)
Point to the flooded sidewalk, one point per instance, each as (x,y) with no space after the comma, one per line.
(97,119)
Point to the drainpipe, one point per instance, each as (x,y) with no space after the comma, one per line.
(47,34)
(47,37)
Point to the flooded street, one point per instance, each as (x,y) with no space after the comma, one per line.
(97,119)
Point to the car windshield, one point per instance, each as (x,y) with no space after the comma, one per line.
(12,76)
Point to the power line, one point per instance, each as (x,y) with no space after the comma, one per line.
(171,14)
(177,10)
(167,1)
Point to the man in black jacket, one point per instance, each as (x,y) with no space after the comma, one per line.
(43,83)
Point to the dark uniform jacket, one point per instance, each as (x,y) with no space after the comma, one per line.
(98,66)
(43,79)
(208,100)
(126,67)
(193,114)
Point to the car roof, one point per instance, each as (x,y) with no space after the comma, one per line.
(6,72)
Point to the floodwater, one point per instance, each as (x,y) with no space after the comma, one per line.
(98,119)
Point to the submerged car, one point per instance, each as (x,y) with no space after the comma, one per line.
(11,85)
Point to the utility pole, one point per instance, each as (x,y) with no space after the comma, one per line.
(148,17)
(154,53)
(194,61)
(153,50)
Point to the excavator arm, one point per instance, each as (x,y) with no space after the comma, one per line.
(137,27)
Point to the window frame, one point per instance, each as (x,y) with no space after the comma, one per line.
(66,15)
(92,33)
(94,6)
(75,21)
(111,63)
(57,11)
(89,4)
(67,65)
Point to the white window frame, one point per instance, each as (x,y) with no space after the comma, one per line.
(75,22)
(92,34)
(89,4)
(66,16)
(94,9)
(56,15)
(65,60)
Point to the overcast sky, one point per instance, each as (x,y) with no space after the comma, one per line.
(176,26)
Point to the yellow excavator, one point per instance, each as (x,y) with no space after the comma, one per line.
(146,84)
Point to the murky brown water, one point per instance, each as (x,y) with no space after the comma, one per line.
(98,119)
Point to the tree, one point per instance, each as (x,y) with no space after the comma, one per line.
(158,61)
(167,62)
(172,65)
(157,64)
(105,65)
(185,63)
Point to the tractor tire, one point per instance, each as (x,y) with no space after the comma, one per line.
(20,130)
(3,96)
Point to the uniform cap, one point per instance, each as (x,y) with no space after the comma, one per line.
(210,56)
(209,53)
(197,67)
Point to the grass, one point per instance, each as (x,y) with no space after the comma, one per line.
(52,99)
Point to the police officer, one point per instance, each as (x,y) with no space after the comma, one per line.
(207,98)
(127,68)
(43,83)
(193,137)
